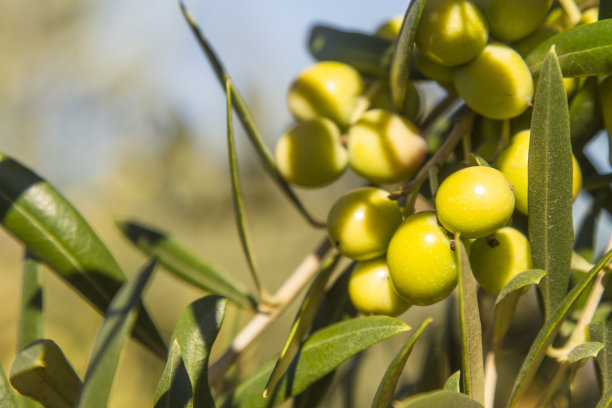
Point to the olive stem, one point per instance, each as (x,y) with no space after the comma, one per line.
(490,379)
(447,104)
(462,126)
(300,277)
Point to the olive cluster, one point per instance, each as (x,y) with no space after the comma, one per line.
(474,49)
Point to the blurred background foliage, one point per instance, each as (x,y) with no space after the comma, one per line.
(114,104)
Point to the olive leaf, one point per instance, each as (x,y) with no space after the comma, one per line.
(551,231)
(584,50)
(55,233)
(31,323)
(183,263)
(174,388)
(118,322)
(583,351)
(7,395)
(606,400)
(602,332)
(386,388)
(437,399)
(454,382)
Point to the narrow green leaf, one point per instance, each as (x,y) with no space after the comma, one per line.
(31,324)
(505,304)
(606,400)
(246,119)
(184,264)
(320,354)
(399,71)
(437,399)
(583,351)
(386,388)
(117,324)
(7,395)
(42,372)
(551,232)
(302,322)
(368,54)
(174,387)
(471,330)
(236,196)
(478,160)
(454,382)
(584,50)
(195,332)
(55,233)
(547,333)
(605,10)
(602,332)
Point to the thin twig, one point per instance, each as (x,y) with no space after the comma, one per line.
(264,317)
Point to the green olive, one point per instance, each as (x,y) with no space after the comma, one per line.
(329,89)
(385,147)
(311,153)
(371,290)
(475,201)
(421,263)
(497,84)
(390,29)
(510,20)
(431,69)
(361,223)
(512,161)
(498,258)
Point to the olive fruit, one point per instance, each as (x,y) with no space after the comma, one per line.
(510,20)
(361,223)
(385,147)
(371,290)
(497,84)
(605,96)
(390,29)
(431,69)
(513,162)
(451,32)
(475,201)
(422,265)
(496,259)
(329,89)
(311,153)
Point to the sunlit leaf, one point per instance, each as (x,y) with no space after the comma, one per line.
(174,387)
(320,354)
(583,351)
(437,399)
(42,372)
(31,323)
(471,331)
(302,322)
(551,231)
(454,382)
(118,323)
(7,395)
(399,71)
(602,332)
(547,333)
(55,233)
(386,388)
(195,332)
(506,301)
(246,119)
(582,50)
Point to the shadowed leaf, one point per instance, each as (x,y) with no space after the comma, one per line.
(31,323)
(118,322)
(602,332)
(42,372)
(56,234)
(174,387)
(437,399)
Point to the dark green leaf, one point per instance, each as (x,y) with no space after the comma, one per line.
(246,119)
(368,54)
(399,71)
(505,304)
(583,351)
(31,324)
(471,330)
(547,333)
(302,322)
(55,233)
(551,232)
(320,354)
(183,263)
(7,395)
(583,50)
(174,387)
(195,332)
(386,388)
(585,112)
(602,332)
(118,323)
(454,382)
(605,10)
(437,399)
(42,372)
